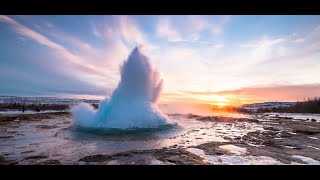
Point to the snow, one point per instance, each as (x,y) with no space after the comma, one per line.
(30,112)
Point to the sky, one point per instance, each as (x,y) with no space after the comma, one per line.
(218,60)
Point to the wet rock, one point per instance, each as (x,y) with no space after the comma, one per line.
(5,137)
(271,128)
(7,119)
(206,118)
(177,156)
(51,162)
(25,152)
(55,135)
(192,116)
(307,132)
(47,126)
(2,160)
(288,117)
(285,134)
(227,137)
(308,128)
(237,138)
(96,158)
(212,148)
(35,157)
(174,146)
(253,120)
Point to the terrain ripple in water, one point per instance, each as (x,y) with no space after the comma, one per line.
(132,104)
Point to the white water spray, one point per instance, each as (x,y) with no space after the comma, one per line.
(132,104)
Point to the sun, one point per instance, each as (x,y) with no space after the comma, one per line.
(221,104)
(217,100)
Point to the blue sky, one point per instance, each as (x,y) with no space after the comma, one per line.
(200,58)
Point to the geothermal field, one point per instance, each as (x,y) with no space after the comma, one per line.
(50,138)
(131,128)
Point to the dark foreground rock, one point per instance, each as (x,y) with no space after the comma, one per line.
(167,155)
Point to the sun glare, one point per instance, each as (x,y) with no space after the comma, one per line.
(217,100)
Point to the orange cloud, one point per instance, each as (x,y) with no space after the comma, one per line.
(246,95)
(277,93)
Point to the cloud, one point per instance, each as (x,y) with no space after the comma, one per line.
(299,40)
(48,24)
(132,33)
(91,61)
(251,94)
(264,42)
(218,46)
(166,30)
(277,93)
(189,29)
(300,47)
(75,60)
(77,72)
(95,31)
(197,23)
(214,24)
(33,80)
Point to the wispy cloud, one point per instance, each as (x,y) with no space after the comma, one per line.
(166,30)
(132,33)
(64,53)
(189,28)
(218,46)
(264,42)
(299,47)
(95,30)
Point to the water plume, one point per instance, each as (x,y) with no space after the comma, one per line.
(133,104)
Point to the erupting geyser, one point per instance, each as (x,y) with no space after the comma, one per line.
(133,102)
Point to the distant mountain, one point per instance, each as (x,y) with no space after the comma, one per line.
(267,105)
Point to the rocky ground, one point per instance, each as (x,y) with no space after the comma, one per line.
(201,140)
